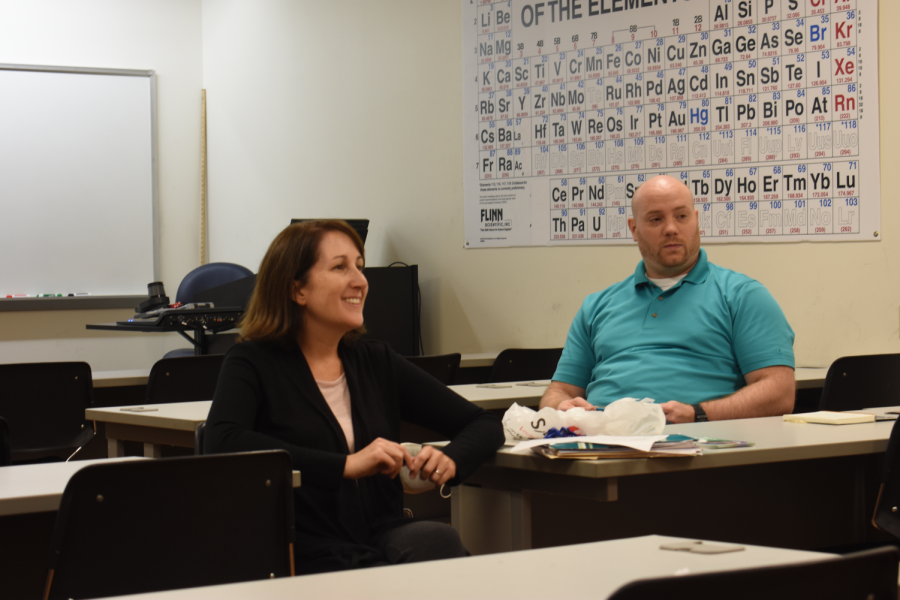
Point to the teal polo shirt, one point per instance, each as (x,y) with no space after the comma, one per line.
(692,343)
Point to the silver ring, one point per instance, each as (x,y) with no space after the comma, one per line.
(437,472)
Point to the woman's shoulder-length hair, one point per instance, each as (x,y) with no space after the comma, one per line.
(272,315)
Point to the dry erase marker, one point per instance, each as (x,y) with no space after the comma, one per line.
(18,296)
(79,294)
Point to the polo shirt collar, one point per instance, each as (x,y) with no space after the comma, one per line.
(696,275)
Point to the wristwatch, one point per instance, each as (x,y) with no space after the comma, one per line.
(700,414)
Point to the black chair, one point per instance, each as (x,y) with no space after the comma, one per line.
(201,279)
(5,457)
(887,506)
(869,575)
(44,404)
(151,525)
(855,382)
(442,367)
(184,379)
(525,364)
(198,439)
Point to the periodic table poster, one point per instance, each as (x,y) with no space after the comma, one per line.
(766,109)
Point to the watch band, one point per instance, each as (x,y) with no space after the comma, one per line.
(699,414)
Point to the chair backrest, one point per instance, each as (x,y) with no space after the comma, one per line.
(523,364)
(184,379)
(869,575)
(5,456)
(44,404)
(887,508)
(199,434)
(208,276)
(442,367)
(855,382)
(150,525)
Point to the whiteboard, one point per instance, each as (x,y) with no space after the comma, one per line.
(78,193)
(767,110)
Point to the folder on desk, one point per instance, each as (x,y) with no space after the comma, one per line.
(672,446)
(828,417)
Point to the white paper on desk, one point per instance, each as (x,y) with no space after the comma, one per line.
(638,442)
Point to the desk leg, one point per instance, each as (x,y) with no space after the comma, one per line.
(152,450)
(490,521)
(115,448)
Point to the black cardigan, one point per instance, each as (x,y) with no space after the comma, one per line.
(266,398)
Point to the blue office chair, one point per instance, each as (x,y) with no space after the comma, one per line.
(201,279)
(209,276)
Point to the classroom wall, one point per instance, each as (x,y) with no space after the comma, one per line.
(354,109)
(163,35)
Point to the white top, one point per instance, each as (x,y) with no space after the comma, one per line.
(337,395)
(594,570)
(667,282)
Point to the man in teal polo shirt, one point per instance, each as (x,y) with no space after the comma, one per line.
(706,342)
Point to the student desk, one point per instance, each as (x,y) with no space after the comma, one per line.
(130,377)
(27,489)
(800,486)
(123,378)
(168,425)
(807,377)
(38,488)
(174,424)
(593,570)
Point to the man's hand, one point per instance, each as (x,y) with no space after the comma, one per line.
(381,456)
(563,396)
(575,403)
(769,392)
(678,412)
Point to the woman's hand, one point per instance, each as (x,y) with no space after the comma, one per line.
(432,464)
(381,456)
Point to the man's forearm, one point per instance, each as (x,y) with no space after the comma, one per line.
(560,392)
(552,398)
(769,396)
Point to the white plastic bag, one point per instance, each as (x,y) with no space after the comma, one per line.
(630,416)
(523,423)
(626,416)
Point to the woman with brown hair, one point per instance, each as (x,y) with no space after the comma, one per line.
(301,381)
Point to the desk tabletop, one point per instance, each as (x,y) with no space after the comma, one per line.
(810,377)
(503,394)
(482,359)
(180,416)
(775,441)
(125,377)
(38,488)
(604,567)
(185,416)
(806,377)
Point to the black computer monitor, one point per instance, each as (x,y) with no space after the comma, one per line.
(391,311)
(360,225)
